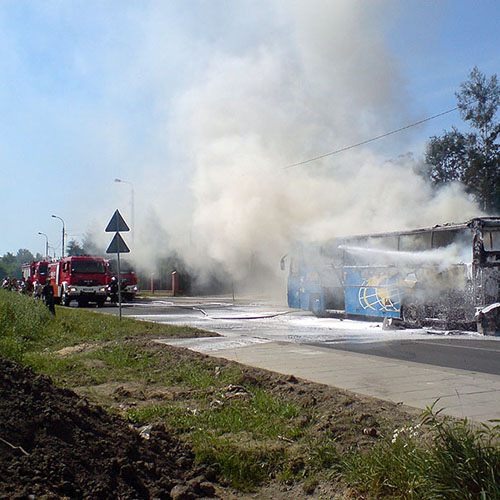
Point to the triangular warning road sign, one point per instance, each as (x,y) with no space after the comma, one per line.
(117,223)
(117,245)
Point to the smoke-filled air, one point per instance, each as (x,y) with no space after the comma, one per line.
(325,80)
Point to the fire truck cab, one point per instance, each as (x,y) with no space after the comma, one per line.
(79,278)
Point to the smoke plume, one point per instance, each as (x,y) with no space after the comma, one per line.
(325,80)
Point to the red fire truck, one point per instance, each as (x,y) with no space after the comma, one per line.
(36,272)
(128,278)
(79,278)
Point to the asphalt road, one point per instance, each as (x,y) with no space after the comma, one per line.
(476,355)
(253,321)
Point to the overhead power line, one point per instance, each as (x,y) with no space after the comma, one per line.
(341,150)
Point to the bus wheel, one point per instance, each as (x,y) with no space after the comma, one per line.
(412,315)
(316,308)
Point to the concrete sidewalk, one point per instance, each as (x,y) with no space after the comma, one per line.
(461,393)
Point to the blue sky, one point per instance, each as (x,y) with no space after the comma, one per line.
(91,91)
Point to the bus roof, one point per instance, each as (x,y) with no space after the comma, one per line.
(477,222)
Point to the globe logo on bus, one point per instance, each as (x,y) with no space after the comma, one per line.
(380,293)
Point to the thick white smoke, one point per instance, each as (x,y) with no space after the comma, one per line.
(326,81)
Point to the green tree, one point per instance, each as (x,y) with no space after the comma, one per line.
(473,157)
(74,249)
(10,264)
(3,269)
(90,242)
(23,256)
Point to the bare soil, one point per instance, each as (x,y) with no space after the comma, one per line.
(55,443)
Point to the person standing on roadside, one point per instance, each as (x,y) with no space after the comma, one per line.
(28,288)
(113,290)
(48,296)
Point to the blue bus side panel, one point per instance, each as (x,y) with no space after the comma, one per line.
(304,289)
(293,291)
(372,292)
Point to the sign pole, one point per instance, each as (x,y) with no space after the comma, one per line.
(115,225)
(119,285)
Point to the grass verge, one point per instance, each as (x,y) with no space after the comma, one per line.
(438,459)
(252,426)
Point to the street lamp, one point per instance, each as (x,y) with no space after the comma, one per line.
(132,210)
(46,243)
(63,233)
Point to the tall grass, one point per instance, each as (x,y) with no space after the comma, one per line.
(23,321)
(441,459)
(465,458)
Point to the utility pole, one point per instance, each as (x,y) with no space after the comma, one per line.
(46,243)
(63,233)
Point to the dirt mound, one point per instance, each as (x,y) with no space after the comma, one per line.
(54,444)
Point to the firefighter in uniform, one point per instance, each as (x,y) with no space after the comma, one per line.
(48,296)
(113,290)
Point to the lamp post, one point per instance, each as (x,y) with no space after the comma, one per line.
(132,209)
(63,233)
(46,243)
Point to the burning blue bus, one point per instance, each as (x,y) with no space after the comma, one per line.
(445,274)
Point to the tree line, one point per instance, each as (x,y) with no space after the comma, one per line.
(10,264)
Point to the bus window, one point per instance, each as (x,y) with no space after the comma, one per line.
(332,254)
(491,241)
(369,250)
(383,242)
(415,242)
(442,239)
(350,252)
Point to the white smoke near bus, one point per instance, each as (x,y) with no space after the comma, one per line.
(442,258)
(326,81)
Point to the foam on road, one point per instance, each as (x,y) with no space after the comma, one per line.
(254,323)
